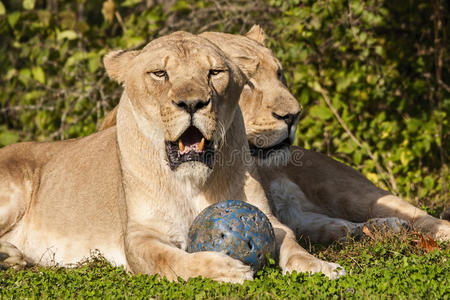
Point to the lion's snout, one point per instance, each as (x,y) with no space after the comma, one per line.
(193,141)
(191,106)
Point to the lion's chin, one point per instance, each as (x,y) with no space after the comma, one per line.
(274,156)
(193,172)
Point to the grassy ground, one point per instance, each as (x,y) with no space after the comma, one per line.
(378,266)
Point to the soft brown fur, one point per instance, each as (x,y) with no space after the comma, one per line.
(114,191)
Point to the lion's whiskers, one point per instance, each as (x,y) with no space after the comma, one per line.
(219,139)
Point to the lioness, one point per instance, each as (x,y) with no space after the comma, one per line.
(314,195)
(131,191)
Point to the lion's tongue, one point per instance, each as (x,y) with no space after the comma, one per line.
(191,140)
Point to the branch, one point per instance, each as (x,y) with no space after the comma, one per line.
(391,184)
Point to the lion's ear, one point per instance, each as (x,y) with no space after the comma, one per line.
(257,34)
(248,64)
(117,62)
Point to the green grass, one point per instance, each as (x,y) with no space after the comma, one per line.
(385,266)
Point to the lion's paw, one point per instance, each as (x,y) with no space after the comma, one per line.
(392,224)
(220,267)
(11,257)
(302,263)
(443,232)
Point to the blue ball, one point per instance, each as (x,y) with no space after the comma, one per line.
(235,228)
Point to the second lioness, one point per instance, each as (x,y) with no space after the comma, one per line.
(316,196)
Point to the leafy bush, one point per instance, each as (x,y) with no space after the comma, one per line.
(371,75)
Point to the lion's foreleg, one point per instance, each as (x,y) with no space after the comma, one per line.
(320,228)
(16,183)
(287,202)
(149,254)
(392,206)
(292,257)
(15,194)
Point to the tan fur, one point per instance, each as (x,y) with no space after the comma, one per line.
(114,190)
(256,33)
(314,195)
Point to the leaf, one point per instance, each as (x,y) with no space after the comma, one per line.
(108,10)
(38,74)
(13,18)
(10,74)
(270,260)
(2,9)
(405,157)
(75,58)
(357,157)
(372,177)
(93,64)
(367,231)
(66,34)
(320,112)
(129,3)
(134,41)
(425,242)
(24,76)
(8,137)
(181,6)
(28,4)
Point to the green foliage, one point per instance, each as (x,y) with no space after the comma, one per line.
(370,75)
(389,268)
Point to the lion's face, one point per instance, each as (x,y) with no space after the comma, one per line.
(183,88)
(271,113)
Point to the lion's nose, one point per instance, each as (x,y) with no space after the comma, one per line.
(288,118)
(191,106)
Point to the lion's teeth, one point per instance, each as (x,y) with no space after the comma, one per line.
(180,145)
(202,145)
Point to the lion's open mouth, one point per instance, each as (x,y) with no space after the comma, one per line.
(191,146)
(265,152)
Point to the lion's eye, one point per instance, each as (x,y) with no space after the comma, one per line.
(281,77)
(214,72)
(159,73)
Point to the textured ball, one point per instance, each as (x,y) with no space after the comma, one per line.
(235,228)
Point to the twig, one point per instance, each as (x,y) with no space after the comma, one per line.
(27,107)
(392,185)
(354,260)
(120,20)
(439,62)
